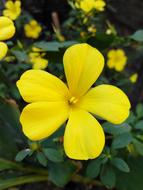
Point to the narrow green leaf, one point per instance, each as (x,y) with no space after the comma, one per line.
(60,173)
(120,164)
(93,168)
(139,110)
(20,55)
(42,159)
(22,154)
(138,36)
(122,140)
(101,41)
(53,46)
(108,177)
(53,154)
(116,129)
(138,146)
(139,125)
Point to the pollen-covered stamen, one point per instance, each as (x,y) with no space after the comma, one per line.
(73,100)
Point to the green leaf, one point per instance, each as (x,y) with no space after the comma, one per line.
(101,41)
(20,55)
(138,146)
(131,119)
(10,132)
(120,164)
(132,180)
(108,177)
(93,168)
(137,36)
(139,125)
(53,46)
(42,159)
(47,46)
(122,140)
(22,154)
(116,129)
(53,154)
(60,173)
(139,110)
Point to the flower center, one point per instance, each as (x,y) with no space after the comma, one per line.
(73,100)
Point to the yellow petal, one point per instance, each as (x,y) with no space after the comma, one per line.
(108,102)
(119,66)
(40,63)
(7,28)
(83,65)
(99,5)
(3,50)
(40,119)
(111,63)
(37,85)
(18,4)
(84,137)
(111,53)
(9,4)
(86,5)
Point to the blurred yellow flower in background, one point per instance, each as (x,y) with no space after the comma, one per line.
(52,102)
(32,29)
(117,59)
(12,9)
(88,5)
(7,30)
(37,60)
(3,50)
(91,29)
(134,77)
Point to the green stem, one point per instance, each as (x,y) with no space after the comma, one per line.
(20,167)
(80,179)
(42,175)
(4,184)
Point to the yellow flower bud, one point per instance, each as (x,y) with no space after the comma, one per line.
(133,78)
(3,50)
(7,28)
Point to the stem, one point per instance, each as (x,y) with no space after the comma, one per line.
(21,180)
(80,179)
(26,169)
(42,175)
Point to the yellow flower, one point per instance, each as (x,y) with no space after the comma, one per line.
(83,34)
(13,9)
(7,30)
(92,30)
(116,59)
(37,60)
(52,102)
(133,78)
(32,29)
(108,31)
(3,50)
(88,5)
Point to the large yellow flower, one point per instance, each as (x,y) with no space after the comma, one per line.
(116,59)
(7,30)
(52,103)
(13,9)
(32,29)
(88,5)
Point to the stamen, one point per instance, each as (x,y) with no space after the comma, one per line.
(73,100)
